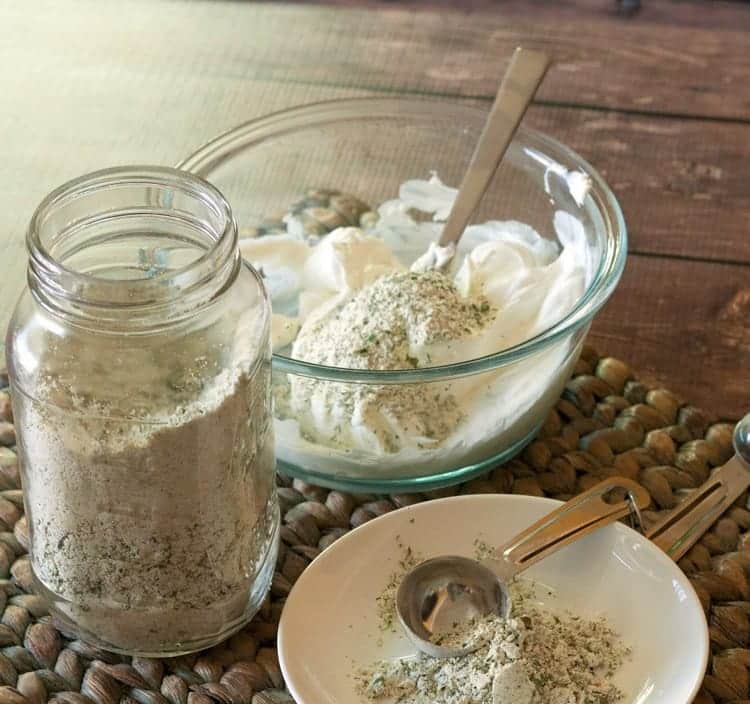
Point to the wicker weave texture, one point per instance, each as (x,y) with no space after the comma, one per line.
(606,423)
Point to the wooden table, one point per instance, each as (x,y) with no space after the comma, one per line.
(659,102)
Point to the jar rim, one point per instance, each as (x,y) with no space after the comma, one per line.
(61,285)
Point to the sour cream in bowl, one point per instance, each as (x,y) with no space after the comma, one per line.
(389,379)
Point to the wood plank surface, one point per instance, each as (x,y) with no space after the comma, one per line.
(602,59)
(659,103)
(716,15)
(682,184)
(685,325)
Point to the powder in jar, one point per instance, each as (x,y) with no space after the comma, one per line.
(150,535)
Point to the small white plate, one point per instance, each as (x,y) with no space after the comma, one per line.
(330,623)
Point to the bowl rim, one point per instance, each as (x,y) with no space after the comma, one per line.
(221,148)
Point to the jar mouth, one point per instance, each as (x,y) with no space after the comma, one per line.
(131,241)
(612,231)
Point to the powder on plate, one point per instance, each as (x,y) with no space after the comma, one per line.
(385,602)
(536,657)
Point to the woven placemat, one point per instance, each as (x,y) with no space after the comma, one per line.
(606,423)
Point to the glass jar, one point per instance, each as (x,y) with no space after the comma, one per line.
(139,364)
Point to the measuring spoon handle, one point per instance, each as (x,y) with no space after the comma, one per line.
(578,517)
(682,527)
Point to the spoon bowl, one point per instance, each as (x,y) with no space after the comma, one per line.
(442,592)
(741,438)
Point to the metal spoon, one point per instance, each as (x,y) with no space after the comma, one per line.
(525,73)
(445,591)
(682,527)
(440,594)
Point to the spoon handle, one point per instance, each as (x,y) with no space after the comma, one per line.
(580,516)
(682,527)
(525,72)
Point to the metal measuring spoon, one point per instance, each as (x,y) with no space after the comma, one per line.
(444,591)
(519,85)
(440,594)
(682,527)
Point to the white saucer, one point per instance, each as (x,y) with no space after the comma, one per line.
(330,624)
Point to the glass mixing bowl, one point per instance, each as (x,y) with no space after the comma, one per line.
(368,147)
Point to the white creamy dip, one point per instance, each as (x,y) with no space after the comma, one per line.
(348,299)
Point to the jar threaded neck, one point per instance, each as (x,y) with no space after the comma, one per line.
(132,245)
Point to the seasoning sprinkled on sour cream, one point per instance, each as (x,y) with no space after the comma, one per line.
(350,299)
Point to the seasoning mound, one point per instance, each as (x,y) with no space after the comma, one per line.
(536,657)
(393,323)
(387,324)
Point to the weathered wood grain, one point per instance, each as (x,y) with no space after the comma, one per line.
(86,85)
(682,184)
(720,14)
(687,326)
(602,59)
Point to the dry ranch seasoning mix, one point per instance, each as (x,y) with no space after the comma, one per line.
(537,656)
(139,361)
